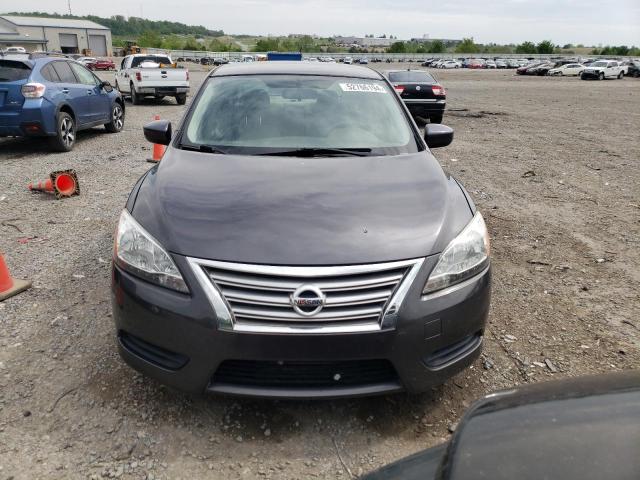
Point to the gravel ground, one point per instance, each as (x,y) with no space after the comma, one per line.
(552,162)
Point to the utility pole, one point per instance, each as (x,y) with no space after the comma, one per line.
(69,5)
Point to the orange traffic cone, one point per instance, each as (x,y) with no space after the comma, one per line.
(63,184)
(158,150)
(10,286)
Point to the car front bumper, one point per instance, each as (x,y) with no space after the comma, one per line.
(176,339)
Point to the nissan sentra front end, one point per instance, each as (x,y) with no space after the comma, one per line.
(249,264)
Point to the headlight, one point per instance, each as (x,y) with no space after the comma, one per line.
(137,252)
(466,256)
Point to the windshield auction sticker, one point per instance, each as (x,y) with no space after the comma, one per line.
(362,87)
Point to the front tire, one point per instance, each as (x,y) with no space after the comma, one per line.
(181,99)
(65,137)
(620,75)
(601,76)
(117,119)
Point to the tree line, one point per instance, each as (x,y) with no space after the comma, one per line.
(153,39)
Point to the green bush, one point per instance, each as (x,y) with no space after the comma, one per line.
(545,47)
(526,48)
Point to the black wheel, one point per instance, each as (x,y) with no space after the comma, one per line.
(117,119)
(181,98)
(620,75)
(65,137)
(601,76)
(135,98)
(436,118)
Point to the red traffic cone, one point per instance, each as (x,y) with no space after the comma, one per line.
(158,150)
(63,184)
(10,286)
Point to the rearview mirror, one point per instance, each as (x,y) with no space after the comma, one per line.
(437,135)
(158,131)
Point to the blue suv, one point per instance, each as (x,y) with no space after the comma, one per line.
(54,97)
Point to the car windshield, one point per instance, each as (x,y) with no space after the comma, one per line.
(599,64)
(261,114)
(418,77)
(11,71)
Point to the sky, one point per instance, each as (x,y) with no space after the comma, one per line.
(590,22)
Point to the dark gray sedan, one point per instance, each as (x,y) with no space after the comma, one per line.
(298,239)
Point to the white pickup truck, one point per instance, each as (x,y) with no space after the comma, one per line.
(143,75)
(601,69)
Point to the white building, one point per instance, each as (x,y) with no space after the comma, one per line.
(365,41)
(54,34)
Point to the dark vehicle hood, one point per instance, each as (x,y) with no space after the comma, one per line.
(584,428)
(301,211)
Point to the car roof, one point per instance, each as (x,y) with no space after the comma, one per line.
(295,68)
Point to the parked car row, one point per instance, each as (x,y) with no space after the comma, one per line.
(599,69)
(474,63)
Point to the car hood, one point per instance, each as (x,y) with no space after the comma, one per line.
(301,211)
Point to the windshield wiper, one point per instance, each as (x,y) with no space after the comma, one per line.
(203,148)
(313,152)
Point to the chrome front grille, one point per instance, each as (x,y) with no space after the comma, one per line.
(258,298)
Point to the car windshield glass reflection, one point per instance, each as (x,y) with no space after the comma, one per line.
(258,114)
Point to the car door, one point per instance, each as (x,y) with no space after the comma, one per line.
(617,68)
(98,103)
(73,92)
(122,76)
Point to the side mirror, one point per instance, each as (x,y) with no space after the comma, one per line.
(437,135)
(106,86)
(158,131)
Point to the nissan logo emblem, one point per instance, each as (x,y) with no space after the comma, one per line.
(308,300)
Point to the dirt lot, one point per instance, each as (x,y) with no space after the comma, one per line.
(566,296)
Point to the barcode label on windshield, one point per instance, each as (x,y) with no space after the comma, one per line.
(362,87)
